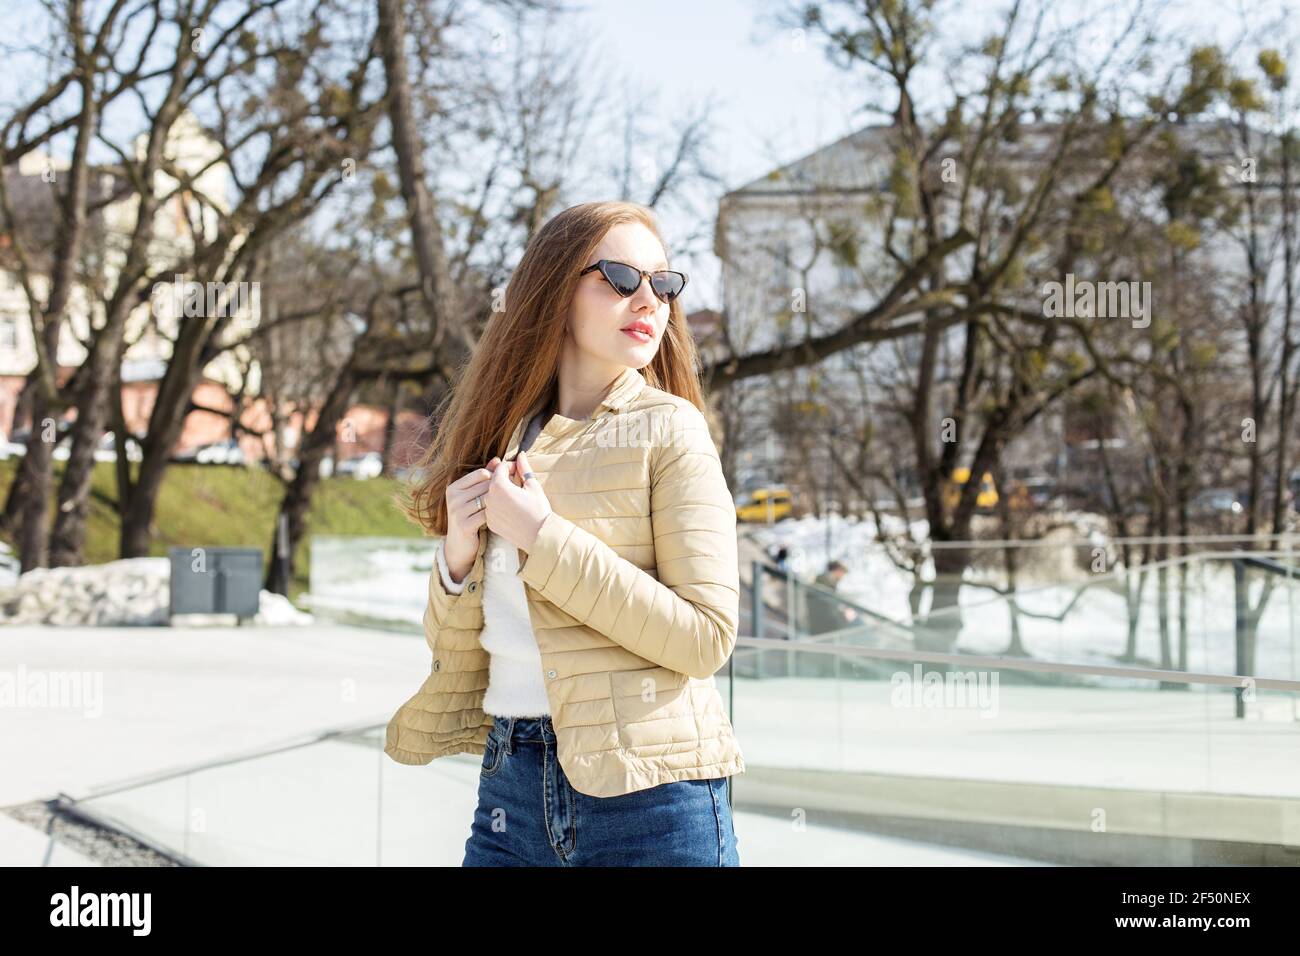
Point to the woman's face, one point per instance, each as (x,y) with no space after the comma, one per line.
(599,315)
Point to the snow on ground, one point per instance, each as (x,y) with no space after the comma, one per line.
(8,567)
(127,592)
(385,579)
(276,609)
(1093,618)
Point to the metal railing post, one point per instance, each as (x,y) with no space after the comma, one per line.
(756,611)
(1239,581)
(791,619)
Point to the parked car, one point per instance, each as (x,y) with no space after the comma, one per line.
(1216,501)
(369,465)
(225,452)
(765,504)
(324,469)
(1266,496)
(985,500)
(11,449)
(107,448)
(17,444)
(1033,493)
(62,447)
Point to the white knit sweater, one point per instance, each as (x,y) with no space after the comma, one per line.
(516,687)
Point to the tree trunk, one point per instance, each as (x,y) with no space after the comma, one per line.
(390,427)
(436,287)
(36,475)
(297,500)
(38,465)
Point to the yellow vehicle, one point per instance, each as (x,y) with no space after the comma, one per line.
(766,505)
(986,500)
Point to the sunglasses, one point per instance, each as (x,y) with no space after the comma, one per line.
(626,279)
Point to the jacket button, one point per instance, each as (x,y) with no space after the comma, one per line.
(473,586)
(437,665)
(550,674)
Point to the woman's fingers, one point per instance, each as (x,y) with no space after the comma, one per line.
(521,464)
(471,516)
(469,478)
(470,492)
(464,514)
(501,474)
(466,519)
(478,474)
(471,485)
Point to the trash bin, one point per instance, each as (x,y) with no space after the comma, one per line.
(211,580)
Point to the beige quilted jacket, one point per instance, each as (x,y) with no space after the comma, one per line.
(634,595)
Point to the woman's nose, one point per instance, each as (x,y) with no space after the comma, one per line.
(644,296)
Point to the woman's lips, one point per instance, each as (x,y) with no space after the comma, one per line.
(639,335)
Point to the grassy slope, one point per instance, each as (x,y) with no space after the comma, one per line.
(215,505)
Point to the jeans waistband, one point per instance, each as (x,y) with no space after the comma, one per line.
(523,728)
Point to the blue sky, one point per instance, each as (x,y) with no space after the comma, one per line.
(769,96)
(772,102)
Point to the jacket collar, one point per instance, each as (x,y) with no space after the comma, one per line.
(626,387)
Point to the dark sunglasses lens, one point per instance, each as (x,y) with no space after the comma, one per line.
(667,285)
(623,278)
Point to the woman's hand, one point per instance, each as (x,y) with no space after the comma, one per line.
(516,508)
(464,518)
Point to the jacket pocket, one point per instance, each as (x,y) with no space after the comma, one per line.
(654,711)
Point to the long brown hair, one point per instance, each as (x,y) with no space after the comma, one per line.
(516,361)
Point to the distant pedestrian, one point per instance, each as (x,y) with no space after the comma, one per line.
(822,612)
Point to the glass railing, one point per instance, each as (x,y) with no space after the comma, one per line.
(1070,719)
(376,581)
(1067,603)
(334,799)
(1072,766)
(1084,713)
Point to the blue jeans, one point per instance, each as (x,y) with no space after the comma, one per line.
(529,815)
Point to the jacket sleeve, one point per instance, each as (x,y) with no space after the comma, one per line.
(445,574)
(687,619)
(444,607)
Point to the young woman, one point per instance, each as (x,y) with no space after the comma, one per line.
(586,587)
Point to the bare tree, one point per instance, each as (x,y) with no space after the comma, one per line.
(32,487)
